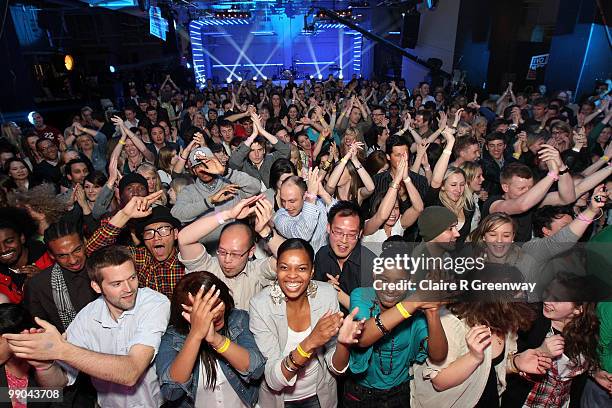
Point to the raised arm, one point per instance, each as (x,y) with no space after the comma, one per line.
(388,202)
(148,155)
(442,164)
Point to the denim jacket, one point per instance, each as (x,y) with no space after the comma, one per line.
(246,384)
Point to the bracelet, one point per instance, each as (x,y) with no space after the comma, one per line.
(182,158)
(564,171)
(380,325)
(45,368)
(393,185)
(553,176)
(219,218)
(293,361)
(344,160)
(407,180)
(513,368)
(402,310)
(303,353)
(121,142)
(224,347)
(447,151)
(287,367)
(359,168)
(605,158)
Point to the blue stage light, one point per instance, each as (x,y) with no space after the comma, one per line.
(320,76)
(229,80)
(255,78)
(188,66)
(111,69)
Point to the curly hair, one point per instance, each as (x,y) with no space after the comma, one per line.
(501,316)
(41,199)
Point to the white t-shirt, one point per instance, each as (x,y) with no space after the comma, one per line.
(306,382)
(223,395)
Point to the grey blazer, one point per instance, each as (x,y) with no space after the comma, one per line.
(268,323)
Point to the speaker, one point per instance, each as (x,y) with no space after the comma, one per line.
(410,29)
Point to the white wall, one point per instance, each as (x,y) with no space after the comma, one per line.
(437,32)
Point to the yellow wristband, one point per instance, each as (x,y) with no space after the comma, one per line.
(402,310)
(344,160)
(302,353)
(121,142)
(224,347)
(605,158)
(516,155)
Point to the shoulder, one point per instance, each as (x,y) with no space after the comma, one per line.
(261,300)
(150,298)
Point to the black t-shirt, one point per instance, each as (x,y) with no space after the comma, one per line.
(524,224)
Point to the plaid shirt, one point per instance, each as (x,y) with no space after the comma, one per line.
(159,276)
(551,390)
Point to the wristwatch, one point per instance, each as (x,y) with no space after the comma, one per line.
(269,237)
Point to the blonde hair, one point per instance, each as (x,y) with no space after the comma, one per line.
(147,168)
(470,169)
(465,201)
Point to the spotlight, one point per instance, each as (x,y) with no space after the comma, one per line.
(311,76)
(31,117)
(255,78)
(341,76)
(320,76)
(69,62)
(229,80)
(188,66)
(111,69)
(239,78)
(265,78)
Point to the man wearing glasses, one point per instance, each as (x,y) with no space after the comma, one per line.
(156,261)
(233,264)
(344,261)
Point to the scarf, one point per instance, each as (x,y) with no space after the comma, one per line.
(61,297)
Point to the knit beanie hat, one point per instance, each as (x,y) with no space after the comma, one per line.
(435,220)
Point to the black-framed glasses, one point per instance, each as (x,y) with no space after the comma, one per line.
(222,253)
(162,231)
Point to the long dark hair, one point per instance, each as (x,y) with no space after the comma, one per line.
(581,333)
(191,283)
(14,319)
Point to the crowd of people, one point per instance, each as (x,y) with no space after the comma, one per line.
(216,248)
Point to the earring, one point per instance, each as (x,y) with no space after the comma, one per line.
(276,293)
(311,291)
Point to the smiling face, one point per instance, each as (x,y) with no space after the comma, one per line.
(454,186)
(78,173)
(91,190)
(344,234)
(294,271)
(394,216)
(11,246)
(18,171)
(476,183)
(499,239)
(496,148)
(389,298)
(119,287)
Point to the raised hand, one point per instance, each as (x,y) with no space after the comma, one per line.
(244,208)
(226,193)
(599,197)
(478,338)
(140,207)
(313,180)
(351,329)
(326,328)
(263,214)
(549,154)
(211,165)
(442,120)
(202,312)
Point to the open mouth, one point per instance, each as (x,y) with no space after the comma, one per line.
(159,250)
(293,286)
(7,255)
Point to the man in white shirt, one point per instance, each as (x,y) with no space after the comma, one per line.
(114,339)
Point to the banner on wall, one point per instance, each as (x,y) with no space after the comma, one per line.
(537,61)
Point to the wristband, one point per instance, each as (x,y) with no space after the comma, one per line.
(407,180)
(516,155)
(447,151)
(402,310)
(303,353)
(224,347)
(45,368)
(605,158)
(219,218)
(393,185)
(359,168)
(182,158)
(310,195)
(344,160)
(121,142)
(553,176)
(581,217)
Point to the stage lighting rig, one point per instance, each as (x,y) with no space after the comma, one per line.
(228,14)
